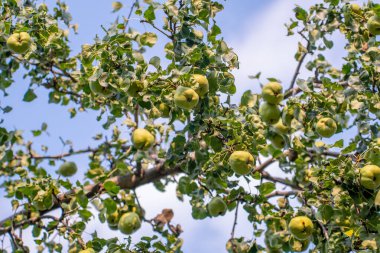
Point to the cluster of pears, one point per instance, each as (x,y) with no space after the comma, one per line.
(19,42)
(187,98)
(127,222)
(272,93)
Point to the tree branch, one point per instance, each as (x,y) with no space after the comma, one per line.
(128,181)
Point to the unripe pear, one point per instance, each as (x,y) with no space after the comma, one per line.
(164,109)
(241,162)
(269,113)
(301,227)
(370,177)
(113,219)
(68,169)
(202,87)
(217,207)
(135,87)
(186,98)
(326,127)
(272,93)
(142,139)
(19,42)
(373,25)
(129,223)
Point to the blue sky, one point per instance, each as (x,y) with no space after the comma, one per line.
(256,31)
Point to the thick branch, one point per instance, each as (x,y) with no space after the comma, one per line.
(128,181)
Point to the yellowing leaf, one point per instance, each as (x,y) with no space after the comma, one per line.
(116,6)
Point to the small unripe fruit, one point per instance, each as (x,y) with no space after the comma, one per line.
(269,113)
(217,207)
(272,93)
(370,177)
(129,223)
(202,87)
(68,169)
(373,25)
(326,127)
(142,139)
(186,98)
(241,162)
(19,42)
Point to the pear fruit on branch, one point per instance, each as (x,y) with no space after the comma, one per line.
(373,25)
(301,227)
(129,223)
(19,42)
(201,84)
(269,113)
(370,177)
(326,127)
(142,139)
(186,98)
(217,207)
(272,93)
(241,162)
(68,169)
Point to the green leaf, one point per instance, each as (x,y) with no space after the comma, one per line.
(148,39)
(155,61)
(85,214)
(266,188)
(248,99)
(301,14)
(111,187)
(29,96)
(377,199)
(149,14)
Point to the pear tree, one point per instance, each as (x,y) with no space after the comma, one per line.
(298,160)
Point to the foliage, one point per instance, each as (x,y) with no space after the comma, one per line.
(113,77)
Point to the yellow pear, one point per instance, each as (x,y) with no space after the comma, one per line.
(241,162)
(301,227)
(326,127)
(19,42)
(142,139)
(272,93)
(269,113)
(186,98)
(202,85)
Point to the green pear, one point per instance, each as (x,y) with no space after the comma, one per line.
(135,87)
(269,113)
(100,90)
(186,98)
(68,169)
(301,227)
(370,177)
(88,250)
(326,127)
(202,85)
(43,201)
(241,162)
(217,207)
(272,93)
(142,139)
(164,109)
(280,128)
(277,140)
(129,223)
(113,219)
(373,25)
(19,43)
